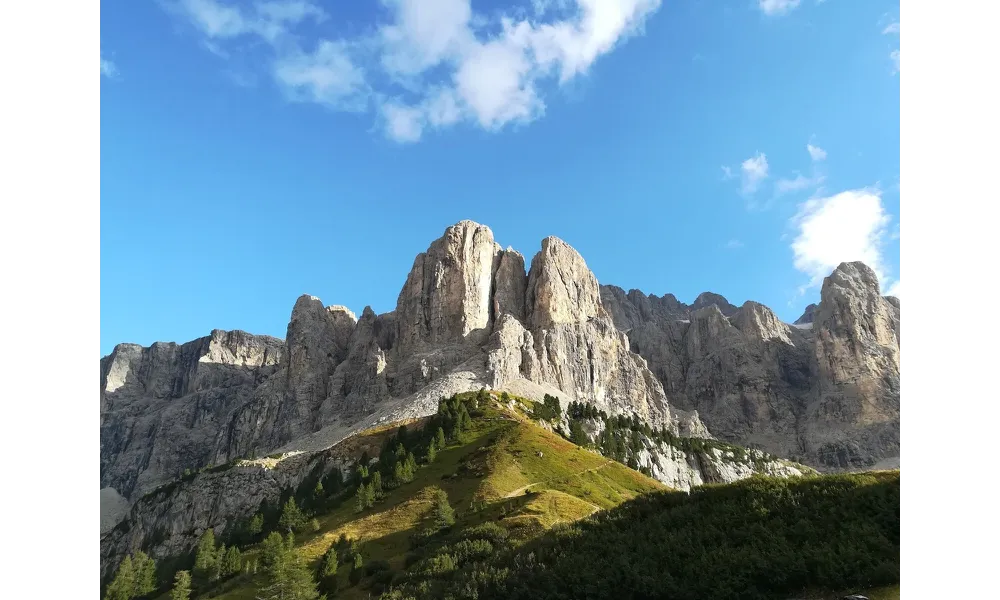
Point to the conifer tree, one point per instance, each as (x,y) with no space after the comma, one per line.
(439,439)
(205,558)
(272,549)
(377,485)
(360,503)
(256,526)
(232,562)
(444,515)
(145,574)
(287,574)
(182,586)
(123,585)
(431,451)
(292,517)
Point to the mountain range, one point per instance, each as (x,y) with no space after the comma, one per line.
(823,391)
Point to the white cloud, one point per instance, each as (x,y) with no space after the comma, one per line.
(108,68)
(269,20)
(754,172)
(326,76)
(734,244)
(848,226)
(433,63)
(777,7)
(727,173)
(894,57)
(816,153)
(798,184)
(891,28)
(892,289)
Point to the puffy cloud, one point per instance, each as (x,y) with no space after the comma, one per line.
(754,171)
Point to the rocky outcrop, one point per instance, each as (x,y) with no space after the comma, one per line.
(826,394)
(680,466)
(169,407)
(807,316)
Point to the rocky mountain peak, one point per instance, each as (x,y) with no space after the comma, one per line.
(709,298)
(760,322)
(447,295)
(807,315)
(561,288)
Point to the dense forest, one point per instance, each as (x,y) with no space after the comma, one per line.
(756,539)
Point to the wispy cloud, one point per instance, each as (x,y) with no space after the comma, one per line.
(892,289)
(773,8)
(734,244)
(894,57)
(434,63)
(727,173)
(848,226)
(796,184)
(891,28)
(815,152)
(108,68)
(754,171)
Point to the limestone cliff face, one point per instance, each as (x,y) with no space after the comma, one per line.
(467,316)
(824,391)
(169,407)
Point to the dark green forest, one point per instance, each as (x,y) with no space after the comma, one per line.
(756,539)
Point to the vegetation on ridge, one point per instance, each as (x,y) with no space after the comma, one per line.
(458,505)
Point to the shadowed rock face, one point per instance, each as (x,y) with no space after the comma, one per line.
(827,394)
(470,316)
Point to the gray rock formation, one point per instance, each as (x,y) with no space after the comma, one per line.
(827,394)
(807,316)
(468,316)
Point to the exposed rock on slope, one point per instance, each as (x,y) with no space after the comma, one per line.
(828,395)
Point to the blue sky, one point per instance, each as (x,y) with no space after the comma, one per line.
(255,151)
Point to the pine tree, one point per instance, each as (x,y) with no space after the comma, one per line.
(217,566)
(182,586)
(256,525)
(361,503)
(145,574)
(292,518)
(431,451)
(369,496)
(272,550)
(444,515)
(377,485)
(439,439)
(123,585)
(287,574)
(232,562)
(328,571)
(204,561)
(399,474)
(318,492)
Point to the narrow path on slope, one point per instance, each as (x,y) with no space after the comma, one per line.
(521,489)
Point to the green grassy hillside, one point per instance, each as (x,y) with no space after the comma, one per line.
(504,469)
(495,506)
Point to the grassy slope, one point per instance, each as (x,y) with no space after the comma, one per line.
(492,469)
